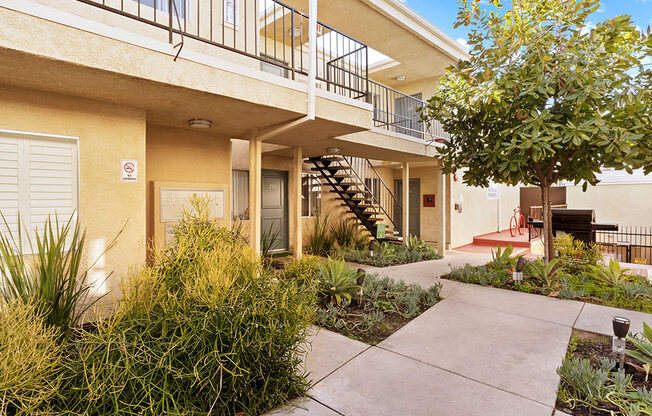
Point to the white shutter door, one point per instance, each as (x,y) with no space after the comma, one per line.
(9,201)
(52,176)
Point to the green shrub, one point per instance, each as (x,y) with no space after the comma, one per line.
(302,270)
(337,281)
(206,329)
(574,255)
(482,275)
(30,360)
(612,275)
(52,277)
(348,234)
(320,240)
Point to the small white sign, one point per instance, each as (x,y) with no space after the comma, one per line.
(493,192)
(129,170)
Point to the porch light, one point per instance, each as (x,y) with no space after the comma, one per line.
(401,78)
(296,32)
(199,123)
(333,150)
(621,328)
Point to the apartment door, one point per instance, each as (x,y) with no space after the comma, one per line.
(415,205)
(274,210)
(408,120)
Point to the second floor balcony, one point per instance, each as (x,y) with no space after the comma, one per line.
(274,38)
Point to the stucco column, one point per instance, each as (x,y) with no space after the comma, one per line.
(406,202)
(440,203)
(296,232)
(255,192)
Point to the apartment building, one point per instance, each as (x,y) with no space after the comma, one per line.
(119,110)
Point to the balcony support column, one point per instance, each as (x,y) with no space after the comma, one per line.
(255,191)
(440,216)
(296,231)
(406,202)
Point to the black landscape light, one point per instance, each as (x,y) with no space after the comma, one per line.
(517,275)
(371,248)
(621,329)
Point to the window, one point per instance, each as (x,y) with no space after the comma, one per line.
(310,195)
(373,184)
(240,195)
(38,178)
(180,7)
(231,12)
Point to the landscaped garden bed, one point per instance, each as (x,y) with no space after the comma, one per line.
(578,272)
(591,385)
(346,240)
(361,306)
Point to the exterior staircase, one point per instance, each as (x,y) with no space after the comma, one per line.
(363,193)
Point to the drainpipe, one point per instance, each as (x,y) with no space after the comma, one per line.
(312,80)
(498,208)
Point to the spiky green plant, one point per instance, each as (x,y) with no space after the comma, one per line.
(612,274)
(501,259)
(544,274)
(50,274)
(30,359)
(268,242)
(337,281)
(320,240)
(643,351)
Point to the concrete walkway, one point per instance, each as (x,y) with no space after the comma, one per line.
(481,351)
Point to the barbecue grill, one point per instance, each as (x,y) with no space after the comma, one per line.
(578,222)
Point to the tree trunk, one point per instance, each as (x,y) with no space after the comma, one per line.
(549,247)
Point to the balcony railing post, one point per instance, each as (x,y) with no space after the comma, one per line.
(170,21)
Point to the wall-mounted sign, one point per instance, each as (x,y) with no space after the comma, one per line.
(129,170)
(429,200)
(175,200)
(493,191)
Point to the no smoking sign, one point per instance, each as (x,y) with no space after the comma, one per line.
(129,170)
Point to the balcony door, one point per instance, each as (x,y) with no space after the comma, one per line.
(408,120)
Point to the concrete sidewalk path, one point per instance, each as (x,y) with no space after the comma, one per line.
(481,351)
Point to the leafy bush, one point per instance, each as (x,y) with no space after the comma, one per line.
(385,254)
(30,359)
(483,275)
(54,280)
(574,255)
(302,270)
(206,329)
(320,240)
(337,281)
(347,234)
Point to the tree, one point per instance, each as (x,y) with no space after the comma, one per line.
(545,97)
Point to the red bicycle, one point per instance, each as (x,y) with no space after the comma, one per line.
(517,223)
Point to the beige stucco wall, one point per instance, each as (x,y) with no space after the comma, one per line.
(623,204)
(184,158)
(479,215)
(107,134)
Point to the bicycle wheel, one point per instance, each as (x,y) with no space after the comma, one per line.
(513,226)
(521,225)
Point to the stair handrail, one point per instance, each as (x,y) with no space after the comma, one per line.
(381,181)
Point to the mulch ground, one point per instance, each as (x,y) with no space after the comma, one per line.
(390,324)
(595,347)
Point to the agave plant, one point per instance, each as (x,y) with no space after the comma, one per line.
(502,258)
(612,274)
(50,274)
(544,274)
(643,350)
(337,281)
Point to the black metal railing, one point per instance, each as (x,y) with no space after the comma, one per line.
(267,30)
(399,112)
(383,198)
(630,244)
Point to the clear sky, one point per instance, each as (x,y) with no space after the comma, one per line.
(442,13)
